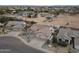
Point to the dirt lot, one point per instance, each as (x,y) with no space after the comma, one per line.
(60,20)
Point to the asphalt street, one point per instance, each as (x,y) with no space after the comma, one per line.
(15,45)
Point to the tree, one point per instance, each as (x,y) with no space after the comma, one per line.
(29,9)
(2,12)
(61,11)
(4,20)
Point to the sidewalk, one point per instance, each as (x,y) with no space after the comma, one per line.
(37,44)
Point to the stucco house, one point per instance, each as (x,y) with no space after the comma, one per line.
(65,35)
(16,25)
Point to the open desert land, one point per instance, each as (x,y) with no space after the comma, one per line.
(61,20)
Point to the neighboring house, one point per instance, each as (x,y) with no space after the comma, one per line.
(1,25)
(16,25)
(43,14)
(34,15)
(50,17)
(65,35)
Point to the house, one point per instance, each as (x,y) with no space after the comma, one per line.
(1,25)
(16,25)
(43,14)
(65,36)
(50,17)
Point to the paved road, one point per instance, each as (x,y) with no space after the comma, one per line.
(14,45)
